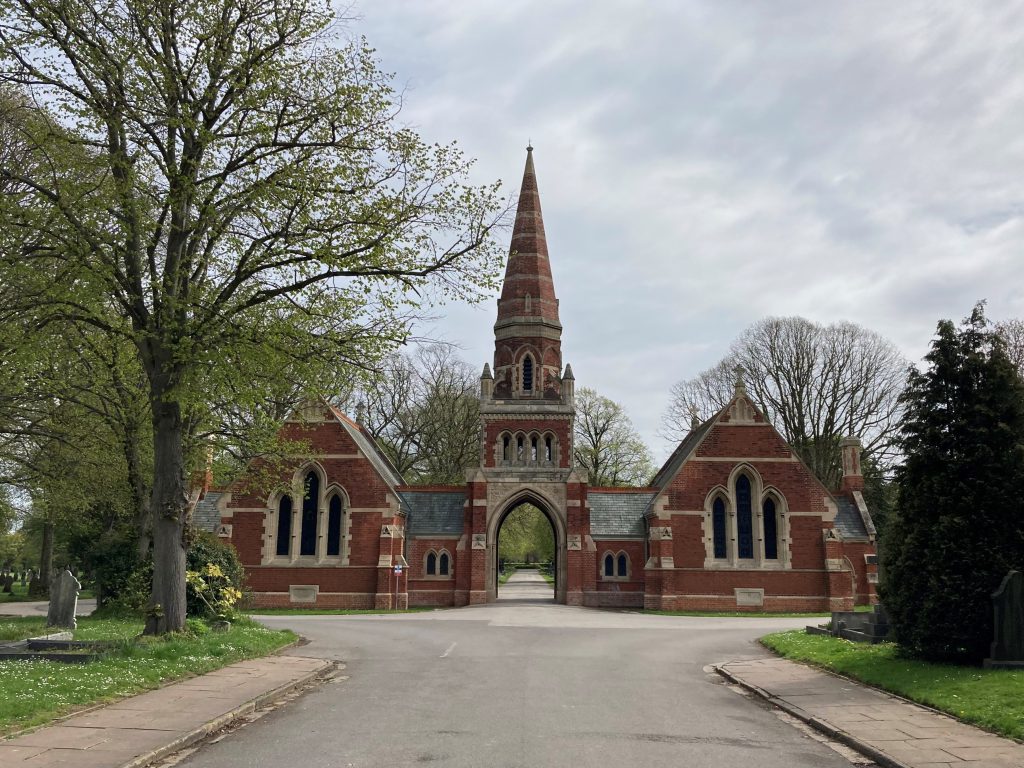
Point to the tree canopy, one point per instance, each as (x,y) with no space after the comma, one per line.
(606,444)
(957,528)
(815,383)
(226,188)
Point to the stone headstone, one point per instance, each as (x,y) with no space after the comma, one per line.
(64,588)
(1008,631)
(9,583)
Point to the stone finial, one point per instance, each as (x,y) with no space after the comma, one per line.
(568,387)
(739,373)
(361,412)
(694,416)
(486,383)
(567,375)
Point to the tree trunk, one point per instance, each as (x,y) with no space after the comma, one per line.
(140,499)
(169,517)
(45,560)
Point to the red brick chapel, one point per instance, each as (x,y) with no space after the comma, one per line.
(734,520)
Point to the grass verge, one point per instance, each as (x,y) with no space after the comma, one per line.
(34,692)
(505,575)
(990,698)
(19,594)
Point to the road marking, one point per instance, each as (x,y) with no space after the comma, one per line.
(450,649)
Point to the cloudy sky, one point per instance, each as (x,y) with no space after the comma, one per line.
(706,164)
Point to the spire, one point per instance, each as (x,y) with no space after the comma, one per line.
(528,291)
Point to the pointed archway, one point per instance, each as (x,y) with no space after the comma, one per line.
(557,521)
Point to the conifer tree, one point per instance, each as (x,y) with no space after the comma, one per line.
(958,525)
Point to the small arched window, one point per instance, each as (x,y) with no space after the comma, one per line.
(520,450)
(533,448)
(284,526)
(718,528)
(527,374)
(334,526)
(623,565)
(310,512)
(547,448)
(443,564)
(744,519)
(771,530)
(506,447)
(431,563)
(609,565)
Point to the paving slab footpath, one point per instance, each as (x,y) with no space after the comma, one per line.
(138,730)
(891,731)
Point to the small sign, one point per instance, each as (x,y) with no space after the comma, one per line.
(398,570)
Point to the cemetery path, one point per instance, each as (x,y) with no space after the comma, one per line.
(37,608)
(525,684)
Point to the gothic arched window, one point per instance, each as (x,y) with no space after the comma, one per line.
(443,564)
(718,529)
(310,512)
(623,565)
(609,565)
(547,448)
(744,519)
(334,526)
(284,526)
(771,530)
(506,446)
(527,374)
(431,564)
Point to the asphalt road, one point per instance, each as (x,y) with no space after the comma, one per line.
(523,682)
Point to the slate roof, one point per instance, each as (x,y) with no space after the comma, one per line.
(618,514)
(433,512)
(205,515)
(849,522)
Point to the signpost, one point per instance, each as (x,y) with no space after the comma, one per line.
(398,575)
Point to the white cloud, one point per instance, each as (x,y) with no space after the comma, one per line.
(703,165)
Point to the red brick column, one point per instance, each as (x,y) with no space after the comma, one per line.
(391,594)
(839,578)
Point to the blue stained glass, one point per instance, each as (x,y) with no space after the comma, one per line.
(744,519)
(771,531)
(718,525)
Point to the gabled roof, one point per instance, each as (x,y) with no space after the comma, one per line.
(618,514)
(369,448)
(433,512)
(682,452)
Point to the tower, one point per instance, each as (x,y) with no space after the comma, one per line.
(527,403)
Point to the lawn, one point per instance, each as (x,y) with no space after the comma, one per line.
(34,692)
(991,698)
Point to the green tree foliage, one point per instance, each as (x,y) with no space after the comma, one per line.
(606,444)
(526,536)
(227,190)
(957,528)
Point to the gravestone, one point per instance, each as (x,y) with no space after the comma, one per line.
(8,583)
(1008,631)
(64,588)
(24,578)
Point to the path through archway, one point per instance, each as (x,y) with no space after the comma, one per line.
(552,555)
(527,556)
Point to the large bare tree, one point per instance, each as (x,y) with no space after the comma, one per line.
(1012,334)
(815,383)
(424,412)
(251,203)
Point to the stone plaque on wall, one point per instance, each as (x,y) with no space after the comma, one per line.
(574,541)
(750,597)
(303,593)
(661,533)
(224,531)
(479,541)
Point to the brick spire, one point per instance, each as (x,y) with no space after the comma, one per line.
(528,324)
(528,290)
